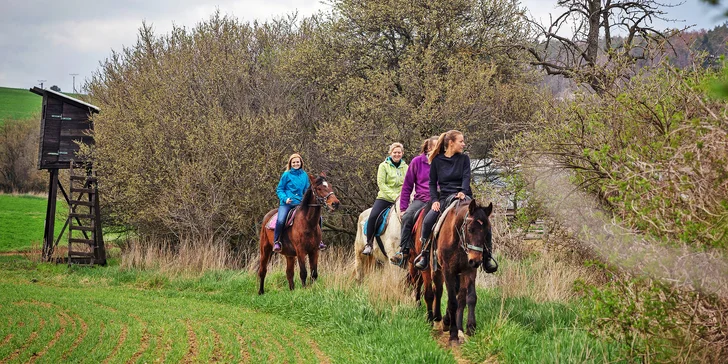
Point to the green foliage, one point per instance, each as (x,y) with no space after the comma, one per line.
(19,104)
(22,221)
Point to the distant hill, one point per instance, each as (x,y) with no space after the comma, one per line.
(19,103)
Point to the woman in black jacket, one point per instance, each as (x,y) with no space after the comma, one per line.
(450,170)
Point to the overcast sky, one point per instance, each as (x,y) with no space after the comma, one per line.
(48,40)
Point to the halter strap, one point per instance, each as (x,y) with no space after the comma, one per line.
(461,235)
(321,200)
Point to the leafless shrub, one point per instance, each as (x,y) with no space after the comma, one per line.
(19,157)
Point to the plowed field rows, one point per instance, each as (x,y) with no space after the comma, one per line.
(50,325)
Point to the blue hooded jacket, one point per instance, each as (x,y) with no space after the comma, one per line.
(293,184)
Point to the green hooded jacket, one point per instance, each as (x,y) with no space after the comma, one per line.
(390,179)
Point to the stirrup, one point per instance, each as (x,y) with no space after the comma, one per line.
(421,262)
(399,259)
(367,252)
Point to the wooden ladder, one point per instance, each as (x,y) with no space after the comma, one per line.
(84,218)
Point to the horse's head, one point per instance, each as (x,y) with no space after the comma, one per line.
(478,236)
(324,193)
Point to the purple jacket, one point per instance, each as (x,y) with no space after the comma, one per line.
(418,176)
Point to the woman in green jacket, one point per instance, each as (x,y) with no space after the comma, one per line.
(390,177)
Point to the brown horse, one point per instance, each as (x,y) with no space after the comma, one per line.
(416,278)
(464,243)
(303,237)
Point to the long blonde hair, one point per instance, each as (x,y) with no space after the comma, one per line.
(294,155)
(443,142)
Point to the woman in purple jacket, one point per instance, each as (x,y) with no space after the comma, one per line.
(417,179)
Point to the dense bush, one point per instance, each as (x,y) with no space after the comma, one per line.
(198,123)
(656,151)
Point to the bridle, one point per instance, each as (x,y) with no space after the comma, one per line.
(462,234)
(321,201)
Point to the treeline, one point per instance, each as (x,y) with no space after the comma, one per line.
(197,124)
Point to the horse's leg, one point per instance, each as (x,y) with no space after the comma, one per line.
(302,266)
(265,254)
(429,294)
(359,267)
(462,293)
(437,278)
(290,269)
(471,301)
(313,264)
(453,286)
(418,287)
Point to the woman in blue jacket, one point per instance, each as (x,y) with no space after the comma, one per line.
(291,188)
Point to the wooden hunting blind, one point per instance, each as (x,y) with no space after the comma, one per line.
(65,122)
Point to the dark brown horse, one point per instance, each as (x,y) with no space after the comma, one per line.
(464,243)
(303,237)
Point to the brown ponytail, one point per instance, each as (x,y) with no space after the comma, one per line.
(425,148)
(443,142)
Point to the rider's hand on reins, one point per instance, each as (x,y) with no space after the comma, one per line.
(436,205)
(460,196)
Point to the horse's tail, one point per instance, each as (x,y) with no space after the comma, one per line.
(263,231)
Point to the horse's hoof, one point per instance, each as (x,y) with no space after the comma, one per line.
(461,337)
(455,342)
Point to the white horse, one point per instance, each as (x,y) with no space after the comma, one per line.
(390,241)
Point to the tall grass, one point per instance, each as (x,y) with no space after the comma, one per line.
(184,257)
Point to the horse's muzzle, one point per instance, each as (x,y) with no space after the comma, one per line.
(473,263)
(334,206)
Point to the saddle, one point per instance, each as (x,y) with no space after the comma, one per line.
(271,225)
(451,203)
(382,225)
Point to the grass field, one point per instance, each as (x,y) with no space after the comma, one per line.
(22,219)
(51,313)
(19,104)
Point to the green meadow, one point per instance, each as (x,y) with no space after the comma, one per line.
(54,313)
(51,313)
(18,104)
(22,220)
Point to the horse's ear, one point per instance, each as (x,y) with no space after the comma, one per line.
(323,174)
(312,179)
(489,210)
(472,207)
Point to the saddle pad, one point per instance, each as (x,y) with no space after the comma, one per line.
(382,225)
(443,215)
(271,225)
(419,221)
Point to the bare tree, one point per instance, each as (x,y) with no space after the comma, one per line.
(591,38)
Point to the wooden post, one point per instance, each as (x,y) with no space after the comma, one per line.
(100,250)
(50,220)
